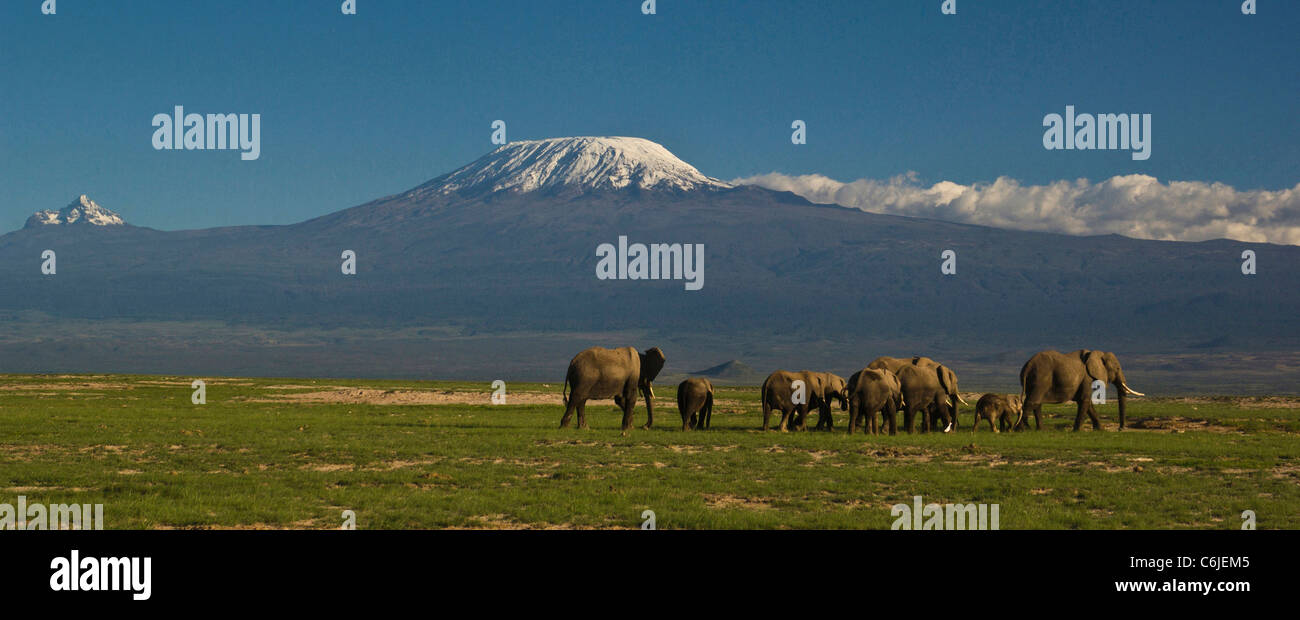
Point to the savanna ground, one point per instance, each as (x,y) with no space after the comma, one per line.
(289,453)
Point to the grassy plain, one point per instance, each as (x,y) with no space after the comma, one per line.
(296,453)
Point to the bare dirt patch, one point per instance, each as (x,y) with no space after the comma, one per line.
(505,522)
(64,387)
(1179,424)
(1249,402)
(723,500)
(371,396)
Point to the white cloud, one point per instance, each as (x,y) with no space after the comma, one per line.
(1135,205)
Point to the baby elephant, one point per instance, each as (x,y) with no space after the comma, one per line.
(695,401)
(1005,408)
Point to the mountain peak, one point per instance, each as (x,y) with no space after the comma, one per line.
(80,212)
(578,164)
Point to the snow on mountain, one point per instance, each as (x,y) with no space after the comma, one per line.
(582,164)
(83,212)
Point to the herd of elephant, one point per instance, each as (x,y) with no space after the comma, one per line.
(888,385)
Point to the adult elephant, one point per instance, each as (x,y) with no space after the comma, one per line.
(599,373)
(814,389)
(873,390)
(695,398)
(947,378)
(923,390)
(832,388)
(1055,377)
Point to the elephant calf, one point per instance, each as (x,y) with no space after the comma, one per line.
(1005,409)
(695,398)
(870,391)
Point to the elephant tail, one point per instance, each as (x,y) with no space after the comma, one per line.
(564,393)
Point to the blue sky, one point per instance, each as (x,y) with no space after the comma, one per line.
(358,107)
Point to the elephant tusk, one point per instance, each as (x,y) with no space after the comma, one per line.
(949,429)
(1131,390)
(962,400)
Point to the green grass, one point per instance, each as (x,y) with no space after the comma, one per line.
(137,445)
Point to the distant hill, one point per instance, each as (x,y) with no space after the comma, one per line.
(499,258)
(734,371)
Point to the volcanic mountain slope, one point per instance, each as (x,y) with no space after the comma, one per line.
(508,244)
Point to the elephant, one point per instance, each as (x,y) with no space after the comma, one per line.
(871,390)
(695,397)
(922,389)
(598,373)
(1055,377)
(833,388)
(947,378)
(1004,408)
(779,392)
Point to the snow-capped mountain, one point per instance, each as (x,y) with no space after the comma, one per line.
(575,164)
(493,269)
(80,212)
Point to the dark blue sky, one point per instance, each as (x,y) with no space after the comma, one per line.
(357,107)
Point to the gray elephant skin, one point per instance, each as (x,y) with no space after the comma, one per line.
(778,392)
(1004,409)
(947,379)
(695,398)
(870,391)
(923,392)
(1055,377)
(833,388)
(599,373)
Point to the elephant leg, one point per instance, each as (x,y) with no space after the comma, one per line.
(1038,412)
(568,413)
(582,416)
(1092,413)
(1078,417)
(629,408)
(688,419)
(853,416)
(767,412)
(926,414)
(785,418)
(649,409)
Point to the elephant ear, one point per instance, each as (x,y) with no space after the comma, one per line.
(1096,366)
(946,379)
(652,361)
